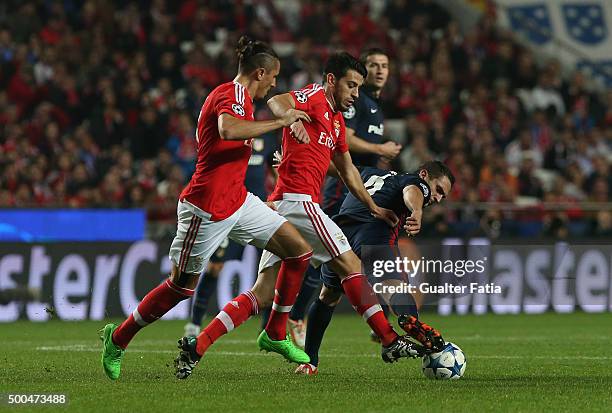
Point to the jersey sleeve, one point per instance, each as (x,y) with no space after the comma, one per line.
(232,101)
(341,146)
(420,184)
(304,97)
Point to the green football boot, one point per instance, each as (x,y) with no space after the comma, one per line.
(111,353)
(285,348)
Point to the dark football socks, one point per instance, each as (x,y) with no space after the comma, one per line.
(319,316)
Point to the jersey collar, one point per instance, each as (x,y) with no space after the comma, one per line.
(331,107)
(246,91)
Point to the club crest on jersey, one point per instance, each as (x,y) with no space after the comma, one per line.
(349,113)
(340,237)
(337,128)
(425,189)
(238,110)
(197,261)
(301,97)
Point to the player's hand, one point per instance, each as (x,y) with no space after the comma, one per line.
(389,149)
(277,158)
(271,205)
(413,223)
(298,131)
(294,115)
(386,215)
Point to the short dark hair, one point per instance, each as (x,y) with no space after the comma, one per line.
(340,63)
(371,52)
(437,169)
(253,54)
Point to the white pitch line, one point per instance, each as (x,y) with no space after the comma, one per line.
(84,348)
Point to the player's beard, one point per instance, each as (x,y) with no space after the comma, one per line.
(343,108)
(339,104)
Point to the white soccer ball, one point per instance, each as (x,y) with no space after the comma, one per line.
(449,364)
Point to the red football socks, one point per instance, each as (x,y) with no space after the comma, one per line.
(153,306)
(286,290)
(233,314)
(361,295)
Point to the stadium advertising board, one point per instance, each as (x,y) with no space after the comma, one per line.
(476,276)
(82,281)
(54,225)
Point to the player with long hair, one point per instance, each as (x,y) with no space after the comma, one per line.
(215,205)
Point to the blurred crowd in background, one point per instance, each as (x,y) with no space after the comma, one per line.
(99,100)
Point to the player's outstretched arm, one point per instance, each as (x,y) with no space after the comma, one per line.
(358,145)
(234,129)
(280,104)
(414,200)
(352,180)
(284,104)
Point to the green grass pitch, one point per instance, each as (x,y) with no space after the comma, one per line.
(537,363)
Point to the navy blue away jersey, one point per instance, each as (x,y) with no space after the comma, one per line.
(366,118)
(387,190)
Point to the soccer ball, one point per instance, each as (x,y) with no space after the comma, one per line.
(449,364)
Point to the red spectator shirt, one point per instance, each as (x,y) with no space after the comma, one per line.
(217,185)
(304,166)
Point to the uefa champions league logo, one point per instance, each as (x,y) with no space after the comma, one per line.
(301,97)
(238,110)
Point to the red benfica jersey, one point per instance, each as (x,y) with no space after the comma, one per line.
(217,185)
(304,166)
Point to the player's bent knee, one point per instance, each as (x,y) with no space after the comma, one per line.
(287,242)
(300,249)
(184,279)
(297,247)
(330,296)
(345,264)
